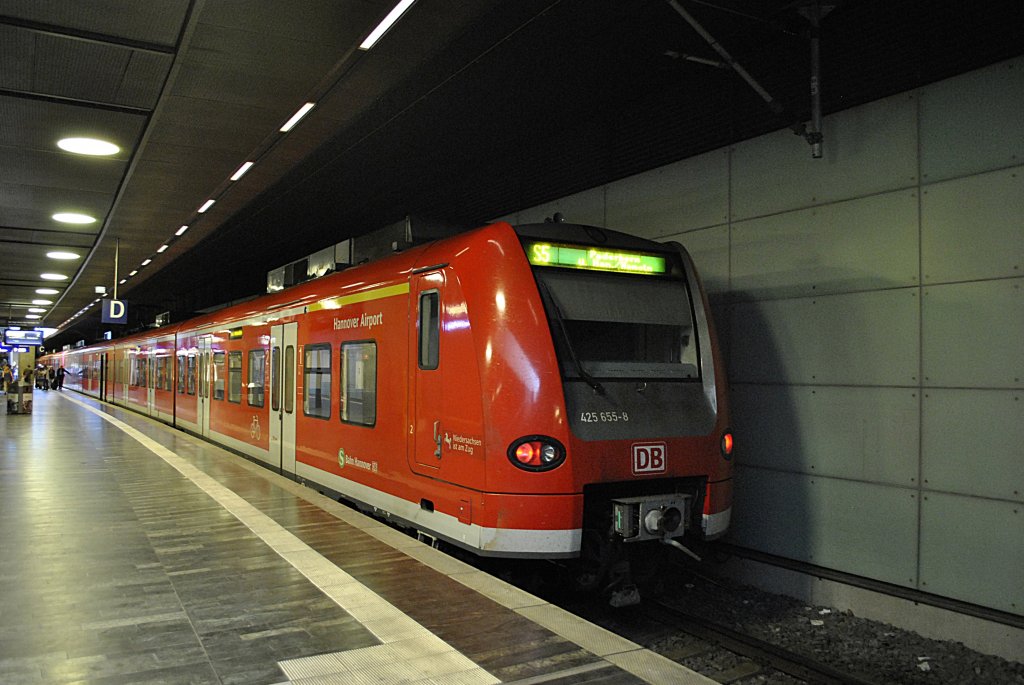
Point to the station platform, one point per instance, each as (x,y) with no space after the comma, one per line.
(136,553)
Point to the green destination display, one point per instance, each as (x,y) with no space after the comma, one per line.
(594,258)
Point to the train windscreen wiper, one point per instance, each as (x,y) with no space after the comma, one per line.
(577,364)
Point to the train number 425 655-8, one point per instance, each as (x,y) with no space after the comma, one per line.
(603,416)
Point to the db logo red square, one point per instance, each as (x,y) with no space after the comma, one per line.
(650,457)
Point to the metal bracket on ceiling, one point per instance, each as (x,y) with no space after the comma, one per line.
(814,11)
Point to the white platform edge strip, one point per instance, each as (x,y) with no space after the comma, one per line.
(410,653)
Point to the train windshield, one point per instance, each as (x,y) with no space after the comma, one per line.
(614,326)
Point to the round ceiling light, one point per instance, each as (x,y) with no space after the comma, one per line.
(42,301)
(53,277)
(47,291)
(88,146)
(33,316)
(37,310)
(72,218)
(63,255)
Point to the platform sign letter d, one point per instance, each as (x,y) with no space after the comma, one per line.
(114,311)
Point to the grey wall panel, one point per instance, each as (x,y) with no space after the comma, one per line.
(582,208)
(972,334)
(865,244)
(973,549)
(709,248)
(869,149)
(973,442)
(866,434)
(865,529)
(972,228)
(853,339)
(690,194)
(973,123)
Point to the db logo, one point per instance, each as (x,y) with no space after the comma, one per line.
(650,457)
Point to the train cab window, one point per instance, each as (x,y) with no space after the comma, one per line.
(190,380)
(235,377)
(316,377)
(289,379)
(218,375)
(254,383)
(359,383)
(430,329)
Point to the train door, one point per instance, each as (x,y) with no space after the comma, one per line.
(427,391)
(283,348)
(203,396)
(151,382)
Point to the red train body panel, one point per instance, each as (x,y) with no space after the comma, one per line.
(475,388)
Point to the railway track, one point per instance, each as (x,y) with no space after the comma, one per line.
(758,657)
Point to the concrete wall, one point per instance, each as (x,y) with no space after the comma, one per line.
(871,305)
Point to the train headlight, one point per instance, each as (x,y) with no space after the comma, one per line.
(536,453)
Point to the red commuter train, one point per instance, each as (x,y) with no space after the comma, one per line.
(545,391)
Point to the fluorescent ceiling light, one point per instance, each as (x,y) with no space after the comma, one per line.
(123,281)
(88,146)
(241,171)
(133,273)
(42,301)
(73,218)
(63,255)
(303,111)
(146,261)
(37,310)
(181,230)
(53,277)
(382,28)
(47,291)
(161,248)
(206,206)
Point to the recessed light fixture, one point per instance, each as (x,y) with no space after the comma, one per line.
(303,111)
(53,277)
(146,261)
(32,316)
(382,28)
(47,291)
(123,281)
(88,146)
(133,273)
(42,301)
(241,171)
(37,310)
(63,255)
(206,206)
(181,230)
(73,218)
(161,248)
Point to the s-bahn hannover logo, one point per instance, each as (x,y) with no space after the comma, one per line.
(650,457)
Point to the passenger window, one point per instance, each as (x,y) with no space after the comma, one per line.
(191,379)
(275,379)
(316,377)
(289,379)
(235,377)
(257,363)
(430,329)
(359,383)
(218,375)
(180,360)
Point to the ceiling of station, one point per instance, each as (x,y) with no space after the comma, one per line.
(461,112)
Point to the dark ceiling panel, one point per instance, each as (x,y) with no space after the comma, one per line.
(151,22)
(57,169)
(38,125)
(26,206)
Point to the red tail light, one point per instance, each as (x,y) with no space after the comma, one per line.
(536,453)
(727,445)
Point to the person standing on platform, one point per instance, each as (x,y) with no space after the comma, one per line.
(60,377)
(51,378)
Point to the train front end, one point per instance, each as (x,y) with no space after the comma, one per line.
(648,441)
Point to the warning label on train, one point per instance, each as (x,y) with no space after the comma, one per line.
(462,443)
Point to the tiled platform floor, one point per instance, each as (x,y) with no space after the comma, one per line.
(133,553)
